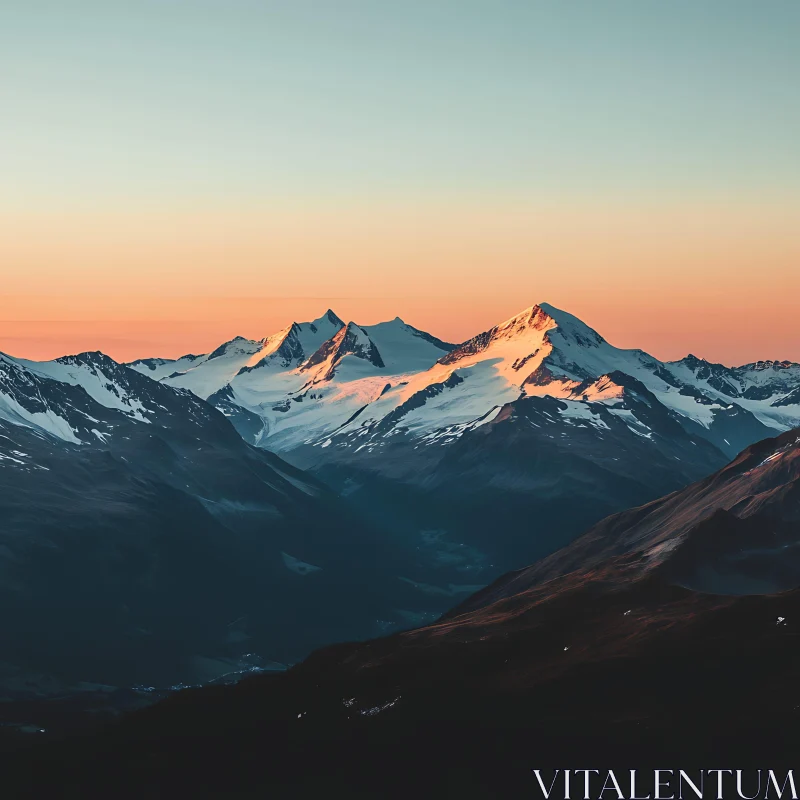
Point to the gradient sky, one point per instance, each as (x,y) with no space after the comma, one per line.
(173,173)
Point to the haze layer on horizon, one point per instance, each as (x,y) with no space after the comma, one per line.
(179,173)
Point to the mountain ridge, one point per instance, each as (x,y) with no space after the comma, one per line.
(144,541)
(537,418)
(541,350)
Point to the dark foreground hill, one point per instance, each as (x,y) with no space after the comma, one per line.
(616,659)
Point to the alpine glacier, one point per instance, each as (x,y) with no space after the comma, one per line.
(327,384)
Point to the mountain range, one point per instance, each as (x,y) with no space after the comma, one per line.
(533,429)
(330,384)
(407,473)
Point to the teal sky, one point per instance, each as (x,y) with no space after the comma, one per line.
(203,101)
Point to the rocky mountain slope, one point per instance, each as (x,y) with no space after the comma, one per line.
(143,541)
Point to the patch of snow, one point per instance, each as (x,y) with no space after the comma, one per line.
(298,566)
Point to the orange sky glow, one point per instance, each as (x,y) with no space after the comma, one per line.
(710,277)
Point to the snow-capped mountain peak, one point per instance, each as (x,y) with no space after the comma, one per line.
(391,348)
(103,379)
(405,348)
(237,345)
(522,335)
(352,340)
(527,338)
(544,351)
(537,316)
(321,378)
(330,317)
(207,374)
(295,344)
(88,398)
(570,326)
(350,369)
